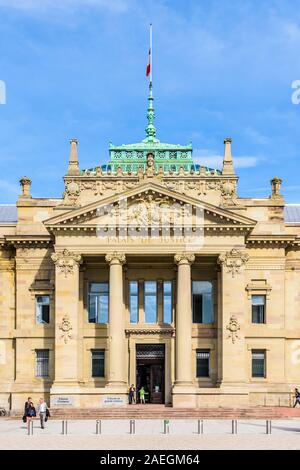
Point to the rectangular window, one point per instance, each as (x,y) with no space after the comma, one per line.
(202,362)
(98,302)
(167,301)
(98,363)
(42,308)
(258,363)
(202,302)
(258,308)
(150,303)
(134,301)
(42,363)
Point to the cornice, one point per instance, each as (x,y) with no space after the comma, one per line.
(29,240)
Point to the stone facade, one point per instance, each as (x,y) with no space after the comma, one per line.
(124,223)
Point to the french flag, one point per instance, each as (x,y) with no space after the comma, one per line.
(148,68)
(149,65)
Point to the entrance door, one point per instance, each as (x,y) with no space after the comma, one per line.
(150,371)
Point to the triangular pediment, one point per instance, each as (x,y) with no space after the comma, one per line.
(148,196)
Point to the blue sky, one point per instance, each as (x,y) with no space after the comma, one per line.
(221,68)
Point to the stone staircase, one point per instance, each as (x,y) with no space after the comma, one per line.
(166,412)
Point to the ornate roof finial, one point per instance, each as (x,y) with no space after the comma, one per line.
(150,129)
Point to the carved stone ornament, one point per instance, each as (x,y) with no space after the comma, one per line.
(65,328)
(152,331)
(66,261)
(184,257)
(228,193)
(233,260)
(115,256)
(71,194)
(233,327)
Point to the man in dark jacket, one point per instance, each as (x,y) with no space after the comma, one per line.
(297,397)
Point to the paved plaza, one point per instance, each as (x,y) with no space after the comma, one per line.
(149,435)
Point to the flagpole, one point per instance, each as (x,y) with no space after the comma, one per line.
(151,53)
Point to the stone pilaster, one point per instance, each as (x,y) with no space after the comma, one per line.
(183,390)
(231,320)
(67,334)
(117,363)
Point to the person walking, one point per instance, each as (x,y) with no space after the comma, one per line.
(29,400)
(42,412)
(30,413)
(27,403)
(297,397)
(142,395)
(131,395)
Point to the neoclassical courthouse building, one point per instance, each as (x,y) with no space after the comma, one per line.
(149,270)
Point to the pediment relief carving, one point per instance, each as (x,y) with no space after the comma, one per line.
(153,211)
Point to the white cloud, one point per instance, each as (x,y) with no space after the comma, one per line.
(206,158)
(9,188)
(117,6)
(256,136)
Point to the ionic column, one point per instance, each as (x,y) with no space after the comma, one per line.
(67,334)
(117,363)
(183,345)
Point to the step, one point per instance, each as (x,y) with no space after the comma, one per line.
(162,412)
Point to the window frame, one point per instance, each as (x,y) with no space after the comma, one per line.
(264,309)
(169,295)
(97,294)
(94,351)
(156,301)
(41,365)
(202,303)
(205,351)
(264,353)
(136,296)
(40,314)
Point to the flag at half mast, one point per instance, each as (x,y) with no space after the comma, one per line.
(149,65)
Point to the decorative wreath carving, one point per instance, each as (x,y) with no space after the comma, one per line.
(66,328)
(233,327)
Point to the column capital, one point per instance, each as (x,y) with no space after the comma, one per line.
(66,260)
(233,260)
(115,258)
(184,258)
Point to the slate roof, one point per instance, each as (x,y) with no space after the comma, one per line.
(292,213)
(8,214)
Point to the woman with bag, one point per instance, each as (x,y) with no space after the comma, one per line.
(30,413)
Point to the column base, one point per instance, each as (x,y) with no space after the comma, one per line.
(184,395)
